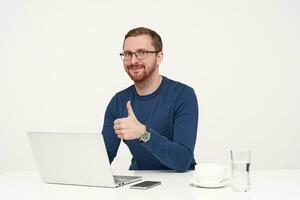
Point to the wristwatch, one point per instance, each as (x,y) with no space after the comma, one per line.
(146,136)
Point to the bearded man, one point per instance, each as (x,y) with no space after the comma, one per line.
(156,117)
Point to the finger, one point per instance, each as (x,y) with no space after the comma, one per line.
(120,134)
(120,120)
(117,121)
(129,109)
(120,131)
(118,126)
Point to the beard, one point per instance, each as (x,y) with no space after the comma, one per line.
(139,73)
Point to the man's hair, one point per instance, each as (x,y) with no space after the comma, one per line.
(156,39)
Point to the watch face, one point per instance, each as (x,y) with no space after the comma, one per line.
(145,137)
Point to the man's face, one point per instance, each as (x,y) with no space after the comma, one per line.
(140,69)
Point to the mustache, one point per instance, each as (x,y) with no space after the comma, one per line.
(135,66)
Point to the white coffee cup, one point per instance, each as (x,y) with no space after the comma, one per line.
(211,173)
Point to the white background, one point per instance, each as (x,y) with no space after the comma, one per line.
(59,67)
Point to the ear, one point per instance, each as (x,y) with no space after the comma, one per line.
(159,57)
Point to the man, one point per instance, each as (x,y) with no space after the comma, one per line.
(156,117)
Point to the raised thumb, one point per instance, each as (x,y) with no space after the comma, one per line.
(129,109)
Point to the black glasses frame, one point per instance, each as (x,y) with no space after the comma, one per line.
(138,54)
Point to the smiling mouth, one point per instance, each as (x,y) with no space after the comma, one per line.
(136,68)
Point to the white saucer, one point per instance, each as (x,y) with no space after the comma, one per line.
(204,184)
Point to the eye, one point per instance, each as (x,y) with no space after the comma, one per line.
(141,53)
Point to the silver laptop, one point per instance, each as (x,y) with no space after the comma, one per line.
(74,158)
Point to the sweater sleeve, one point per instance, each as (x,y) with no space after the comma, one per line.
(177,154)
(112,142)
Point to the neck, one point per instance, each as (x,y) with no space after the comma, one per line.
(149,85)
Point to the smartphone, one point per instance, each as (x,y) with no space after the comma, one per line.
(145,185)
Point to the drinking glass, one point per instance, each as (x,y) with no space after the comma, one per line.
(240,169)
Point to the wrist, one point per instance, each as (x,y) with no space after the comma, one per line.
(143,129)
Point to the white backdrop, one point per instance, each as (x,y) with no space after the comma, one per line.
(59,67)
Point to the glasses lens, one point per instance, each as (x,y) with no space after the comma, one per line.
(141,54)
(127,55)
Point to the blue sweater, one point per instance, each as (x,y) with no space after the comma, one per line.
(171,113)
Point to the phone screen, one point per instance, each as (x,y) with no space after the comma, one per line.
(145,184)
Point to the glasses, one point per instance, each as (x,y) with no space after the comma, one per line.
(138,54)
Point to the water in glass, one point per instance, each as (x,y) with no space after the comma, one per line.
(241,176)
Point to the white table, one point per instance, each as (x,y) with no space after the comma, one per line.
(266,185)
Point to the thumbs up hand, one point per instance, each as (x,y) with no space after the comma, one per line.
(129,128)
